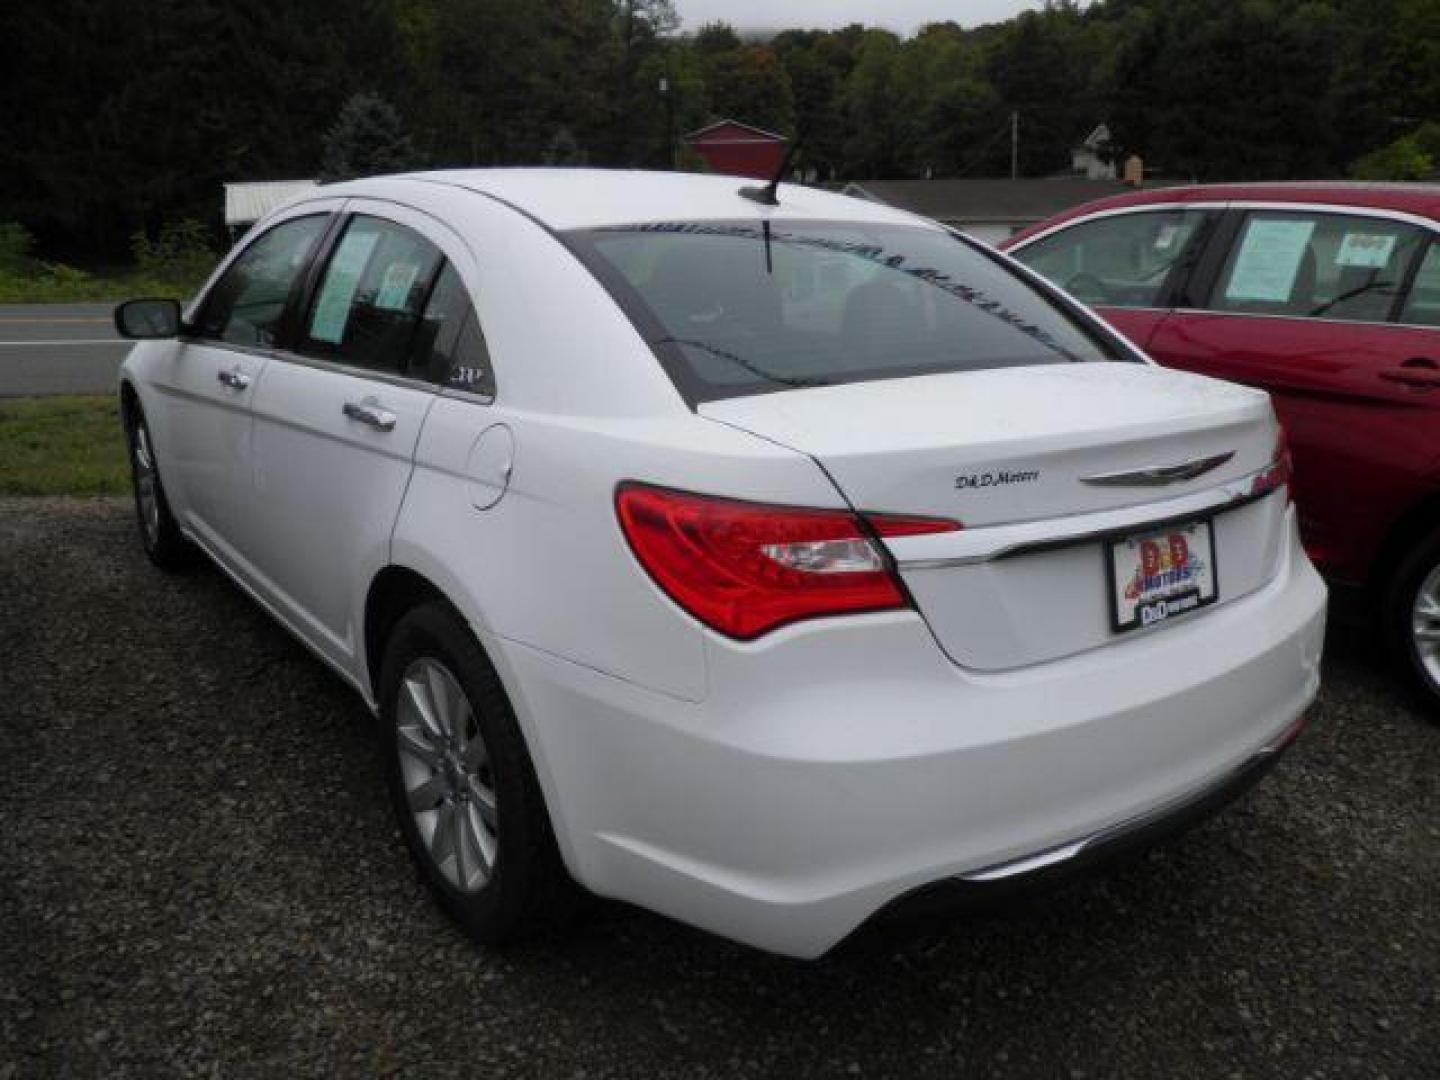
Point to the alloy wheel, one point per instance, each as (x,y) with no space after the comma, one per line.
(1425,625)
(445,767)
(146,494)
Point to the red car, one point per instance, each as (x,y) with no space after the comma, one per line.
(1328,296)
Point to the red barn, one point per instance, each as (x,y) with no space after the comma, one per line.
(737,149)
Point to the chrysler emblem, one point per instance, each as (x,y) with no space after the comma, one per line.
(1157,475)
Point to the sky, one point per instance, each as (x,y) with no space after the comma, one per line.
(902,16)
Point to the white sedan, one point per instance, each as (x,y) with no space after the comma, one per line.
(759,557)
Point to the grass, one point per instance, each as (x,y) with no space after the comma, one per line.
(62,446)
(66,285)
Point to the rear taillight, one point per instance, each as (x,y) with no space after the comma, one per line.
(745,568)
(1278,474)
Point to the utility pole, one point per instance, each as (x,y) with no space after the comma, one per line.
(667,89)
(1014,144)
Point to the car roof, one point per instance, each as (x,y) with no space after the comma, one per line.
(564,199)
(1420,199)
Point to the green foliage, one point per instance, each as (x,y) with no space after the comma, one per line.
(368,138)
(181,252)
(1400,160)
(62,446)
(1415,156)
(749,84)
(16,244)
(149,107)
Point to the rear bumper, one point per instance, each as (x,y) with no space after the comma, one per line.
(1048,869)
(838,766)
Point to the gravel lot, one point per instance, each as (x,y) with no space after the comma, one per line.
(199,876)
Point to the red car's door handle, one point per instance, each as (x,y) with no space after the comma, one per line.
(1414,376)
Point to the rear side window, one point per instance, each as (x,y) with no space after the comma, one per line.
(451,348)
(246,304)
(1316,265)
(1124,260)
(366,309)
(745,307)
(1422,306)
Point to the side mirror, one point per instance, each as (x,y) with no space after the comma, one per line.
(144,319)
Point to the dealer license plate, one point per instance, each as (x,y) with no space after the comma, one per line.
(1161,574)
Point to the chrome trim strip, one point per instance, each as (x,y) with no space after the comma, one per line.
(1214,314)
(1002,541)
(1118,211)
(1235,204)
(405,382)
(465,395)
(1159,475)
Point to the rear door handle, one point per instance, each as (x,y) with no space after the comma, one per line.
(1414,378)
(234,378)
(371,413)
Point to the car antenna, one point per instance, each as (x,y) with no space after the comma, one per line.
(768,195)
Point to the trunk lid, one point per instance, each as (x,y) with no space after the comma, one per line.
(1042,465)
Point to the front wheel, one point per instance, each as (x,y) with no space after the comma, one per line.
(463,785)
(1412,615)
(160,534)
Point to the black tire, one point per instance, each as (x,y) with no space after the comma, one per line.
(160,534)
(527,889)
(1420,571)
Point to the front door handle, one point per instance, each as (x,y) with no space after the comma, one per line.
(371,413)
(234,378)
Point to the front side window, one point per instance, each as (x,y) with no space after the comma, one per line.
(1316,265)
(1124,260)
(246,304)
(745,307)
(367,307)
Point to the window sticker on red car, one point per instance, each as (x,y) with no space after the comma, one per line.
(1269,260)
(1370,251)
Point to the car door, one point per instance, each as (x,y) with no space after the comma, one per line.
(1303,302)
(1127,265)
(207,383)
(336,423)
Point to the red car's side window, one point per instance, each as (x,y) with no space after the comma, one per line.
(1313,264)
(1124,260)
(1422,305)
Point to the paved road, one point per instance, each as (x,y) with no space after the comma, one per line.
(199,876)
(58,349)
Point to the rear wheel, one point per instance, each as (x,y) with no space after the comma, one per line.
(463,785)
(160,534)
(1412,615)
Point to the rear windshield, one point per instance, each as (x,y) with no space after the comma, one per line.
(737,308)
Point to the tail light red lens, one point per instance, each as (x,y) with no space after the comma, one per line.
(745,568)
(1280,470)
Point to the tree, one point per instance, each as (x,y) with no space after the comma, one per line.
(715,38)
(750,85)
(1410,157)
(366,139)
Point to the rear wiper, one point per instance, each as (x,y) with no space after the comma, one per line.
(1349,296)
(740,361)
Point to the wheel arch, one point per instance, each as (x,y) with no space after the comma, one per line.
(1410,529)
(129,403)
(393,591)
(396,589)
